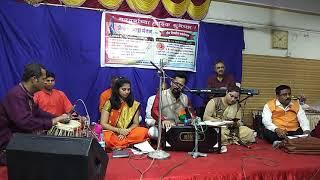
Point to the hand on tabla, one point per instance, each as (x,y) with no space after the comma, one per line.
(63,118)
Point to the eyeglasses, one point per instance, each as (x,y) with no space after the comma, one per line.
(177,84)
(285,94)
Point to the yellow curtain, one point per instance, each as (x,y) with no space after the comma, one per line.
(176,9)
(111,4)
(73,3)
(143,6)
(131,5)
(33,2)
(198,12)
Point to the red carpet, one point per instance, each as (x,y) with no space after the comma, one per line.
(260,162)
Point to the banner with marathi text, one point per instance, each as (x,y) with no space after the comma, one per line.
(133,40)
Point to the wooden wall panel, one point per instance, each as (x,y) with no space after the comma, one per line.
(266,72)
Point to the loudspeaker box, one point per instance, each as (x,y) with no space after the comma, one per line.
(34,157)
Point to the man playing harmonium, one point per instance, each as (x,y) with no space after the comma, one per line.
(173,101)
(227,108)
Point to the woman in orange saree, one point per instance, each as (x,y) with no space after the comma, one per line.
(120,118)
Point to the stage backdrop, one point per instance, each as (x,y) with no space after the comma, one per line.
(67,42)
(131,40)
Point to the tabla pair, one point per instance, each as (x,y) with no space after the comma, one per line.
(73,128)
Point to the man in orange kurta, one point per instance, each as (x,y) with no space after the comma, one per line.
(105,95)
(52,100)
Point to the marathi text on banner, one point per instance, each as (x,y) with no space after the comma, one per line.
(135,40)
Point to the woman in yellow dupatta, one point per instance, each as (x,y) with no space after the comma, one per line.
(120,117)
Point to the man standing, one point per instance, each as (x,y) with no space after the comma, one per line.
(227,108)
(52,100)
(220,79)
(18,112)
(282,116)
(173,101)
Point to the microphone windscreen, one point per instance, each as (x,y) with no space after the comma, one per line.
(182,114)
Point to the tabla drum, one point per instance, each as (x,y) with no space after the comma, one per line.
(73,128)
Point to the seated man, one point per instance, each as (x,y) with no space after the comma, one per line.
(105,95)
(173,100)
(18,112)
(228,108)
(282,117)
(52,100)
(120,117)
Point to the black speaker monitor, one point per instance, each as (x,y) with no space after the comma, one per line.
(33,157)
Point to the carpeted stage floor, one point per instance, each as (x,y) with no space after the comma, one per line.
(259,162)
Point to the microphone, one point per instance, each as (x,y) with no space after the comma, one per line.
(249,91)
(72,110)
(191,116)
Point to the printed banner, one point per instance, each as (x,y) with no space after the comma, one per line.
(135,40)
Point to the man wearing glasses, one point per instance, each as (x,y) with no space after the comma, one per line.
(173,100)
(227,108)
(283,117)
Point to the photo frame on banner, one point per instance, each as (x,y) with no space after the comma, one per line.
(133,40)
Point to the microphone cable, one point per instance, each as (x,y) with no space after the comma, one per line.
(144,156)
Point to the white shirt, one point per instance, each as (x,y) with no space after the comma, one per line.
(267,117)
(149,106)
(171,105)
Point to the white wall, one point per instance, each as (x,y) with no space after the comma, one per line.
(311,6)
(304,30)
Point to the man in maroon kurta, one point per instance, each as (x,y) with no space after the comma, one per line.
(220,79)
(18,113)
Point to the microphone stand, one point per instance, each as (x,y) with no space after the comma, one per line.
(196,152)
(248,96)
(158,153)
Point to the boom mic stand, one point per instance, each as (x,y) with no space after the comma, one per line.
(248,96)
(159,154)
(196,152)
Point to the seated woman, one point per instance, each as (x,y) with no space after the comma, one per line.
(120,118)
(228,108)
